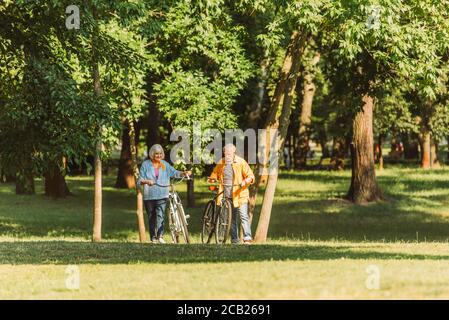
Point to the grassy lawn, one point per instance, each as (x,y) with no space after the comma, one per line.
(320,246)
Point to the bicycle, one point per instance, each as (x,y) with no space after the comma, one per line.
(217,219)
(177,218)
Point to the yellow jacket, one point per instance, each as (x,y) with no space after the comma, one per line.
(241,171)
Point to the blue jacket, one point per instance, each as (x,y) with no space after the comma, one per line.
(165,173)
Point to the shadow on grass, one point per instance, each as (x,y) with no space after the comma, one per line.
(335,219)
(48,252)
(313,212)
(316,176)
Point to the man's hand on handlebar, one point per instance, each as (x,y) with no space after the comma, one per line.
(246,182)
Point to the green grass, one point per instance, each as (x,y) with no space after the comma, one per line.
(320,246)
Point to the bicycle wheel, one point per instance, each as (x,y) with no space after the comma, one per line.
(183,221)
(172,223)
(223,225)
(208,226)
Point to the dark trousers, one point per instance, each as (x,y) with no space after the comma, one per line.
(156,214)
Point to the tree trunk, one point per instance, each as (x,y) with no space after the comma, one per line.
(364,187)
(380,157)
(98,198)
(323,143)
(191,193)
(55,184)
(434,161)
(291,147)
(190,190)
(447,147)
(7,177)
(25,182)
(411,147)
(424,137)
(424,143)
(154,122)
(125,175)
(139,196)
(294,54)
(296,41)
(256,108)
(338,156)
(302,144)
(10,178)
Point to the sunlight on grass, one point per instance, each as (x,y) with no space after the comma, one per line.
(319,244)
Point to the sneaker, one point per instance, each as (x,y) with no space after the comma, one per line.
(161,240)
(154,241)
(248,242)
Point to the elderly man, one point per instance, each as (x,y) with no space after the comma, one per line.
(233,170)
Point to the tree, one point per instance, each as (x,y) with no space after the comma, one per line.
(303,18)
(283,97)
(46,111)
(392,117)
(98,198)
(126,59)
(125,174)
(139,196)
(367,54)
(58,108)
(202,67)
(308,91)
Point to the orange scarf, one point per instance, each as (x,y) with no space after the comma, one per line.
(158,165)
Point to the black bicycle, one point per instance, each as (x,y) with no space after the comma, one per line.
(176,216)
(217,219)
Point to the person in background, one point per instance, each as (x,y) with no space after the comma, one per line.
(233,170)
(155,171)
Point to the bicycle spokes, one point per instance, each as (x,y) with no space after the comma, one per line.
(223,225)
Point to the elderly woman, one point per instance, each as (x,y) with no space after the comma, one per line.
(156,170)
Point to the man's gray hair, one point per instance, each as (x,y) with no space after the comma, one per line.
(229,146)
(154,149)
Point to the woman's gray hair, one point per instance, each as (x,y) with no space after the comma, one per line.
(154,149)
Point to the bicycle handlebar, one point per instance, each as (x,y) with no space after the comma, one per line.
(179,180)
(218,182)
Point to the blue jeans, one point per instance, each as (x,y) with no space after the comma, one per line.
(156,214)
(242,213)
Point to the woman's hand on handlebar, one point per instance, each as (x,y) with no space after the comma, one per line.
(187,174)
(148,182)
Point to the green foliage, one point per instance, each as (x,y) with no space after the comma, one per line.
(405,43)
(201,63)
(197,56)
(50,110)
(393,114)
(201,59)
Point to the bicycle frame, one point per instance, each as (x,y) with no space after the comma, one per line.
(175,206)
(220,193)
(214,217)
